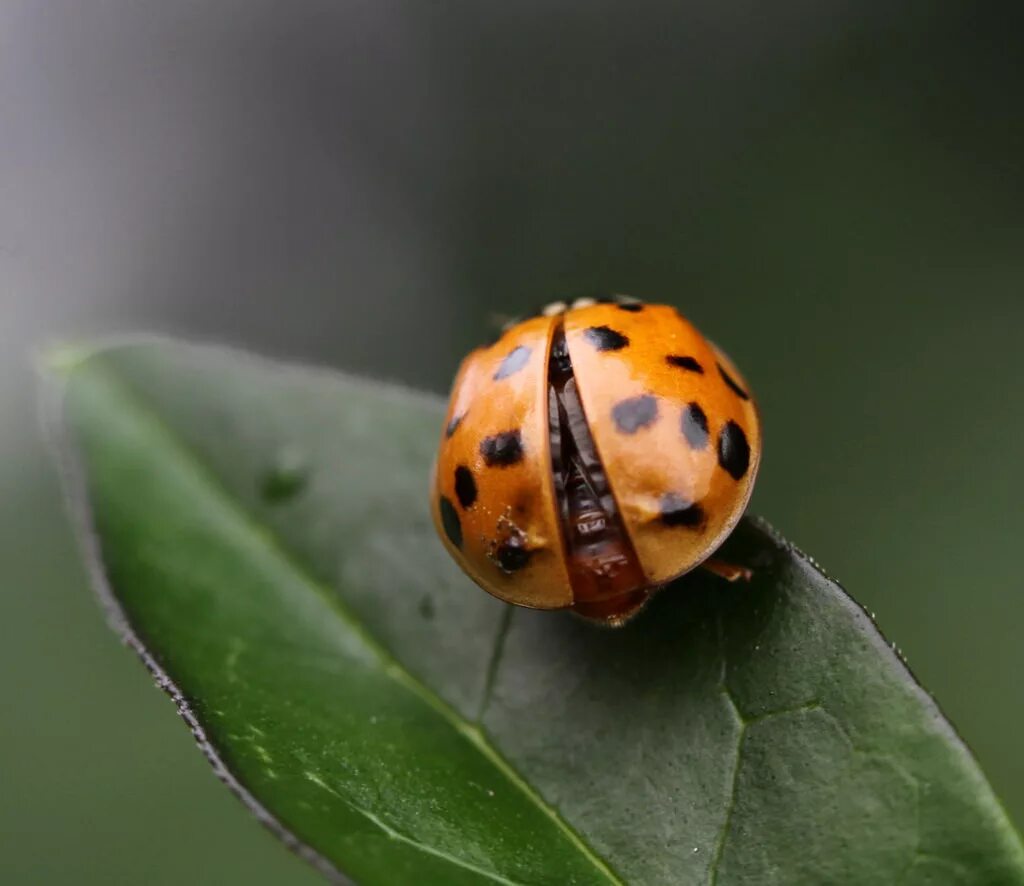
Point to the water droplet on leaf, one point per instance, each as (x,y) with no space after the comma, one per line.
(427,607)
(286,477)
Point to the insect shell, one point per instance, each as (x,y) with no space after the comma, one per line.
(592,454)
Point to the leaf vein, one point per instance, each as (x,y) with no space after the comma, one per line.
(716,859)
(398,836)
(492,668)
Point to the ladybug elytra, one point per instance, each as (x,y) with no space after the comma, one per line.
(592,454)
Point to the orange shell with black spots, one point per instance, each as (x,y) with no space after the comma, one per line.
(677,439)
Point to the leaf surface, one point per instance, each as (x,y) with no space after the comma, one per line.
(261,535)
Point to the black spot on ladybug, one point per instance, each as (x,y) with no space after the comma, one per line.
(453,425)
(604,338)
(502,449)
(512,555)
(731,382)
(465,486)
(451,523)
(695,426)
(635,413)
(516,360)
(634,307)
(734,450)
(678,511)
(688,363)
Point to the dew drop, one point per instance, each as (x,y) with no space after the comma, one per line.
(286,477)
(426,607)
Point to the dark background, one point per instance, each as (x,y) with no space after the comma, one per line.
(832,190)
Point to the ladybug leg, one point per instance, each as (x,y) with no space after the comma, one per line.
(729,571)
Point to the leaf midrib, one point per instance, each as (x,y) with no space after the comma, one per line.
(390,666)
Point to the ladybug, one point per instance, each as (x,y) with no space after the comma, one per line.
(592,454)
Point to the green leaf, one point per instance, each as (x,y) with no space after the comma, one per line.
(261,536)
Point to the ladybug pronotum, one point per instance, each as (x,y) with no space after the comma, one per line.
(592,454)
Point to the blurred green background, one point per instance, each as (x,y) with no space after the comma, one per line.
(831,190)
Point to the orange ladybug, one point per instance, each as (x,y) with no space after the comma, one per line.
(592,454)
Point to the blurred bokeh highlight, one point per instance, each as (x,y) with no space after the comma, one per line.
(833,191)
